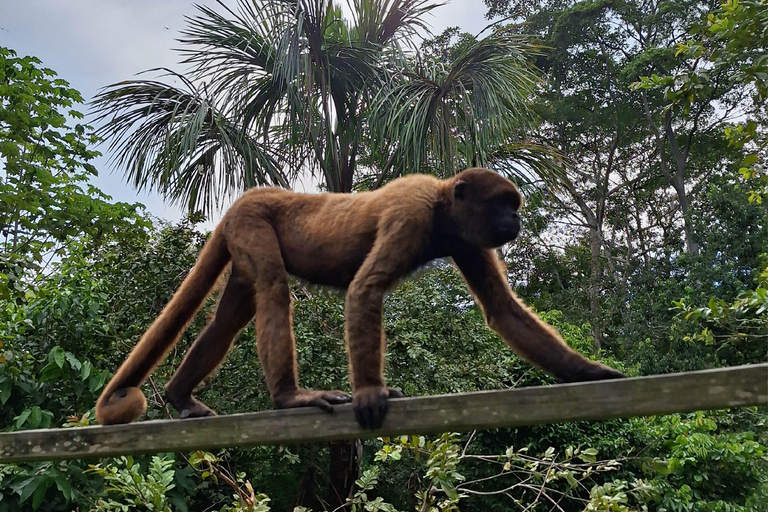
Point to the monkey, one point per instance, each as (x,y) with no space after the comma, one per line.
(363,243)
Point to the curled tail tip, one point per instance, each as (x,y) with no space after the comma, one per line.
(120,406)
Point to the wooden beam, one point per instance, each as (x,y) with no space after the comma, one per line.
(641,396)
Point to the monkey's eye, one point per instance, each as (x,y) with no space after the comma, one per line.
(509,199)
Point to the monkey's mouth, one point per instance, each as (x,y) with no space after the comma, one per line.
(508,231)
(502,237)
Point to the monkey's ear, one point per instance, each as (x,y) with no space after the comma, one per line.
(460,190)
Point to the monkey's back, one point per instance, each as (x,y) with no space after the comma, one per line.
(324,238)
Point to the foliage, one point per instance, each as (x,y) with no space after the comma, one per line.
(702,467)
(128,486)
(294,87)
(615,233)
(730,39)
(549,479)
(134,485)
(481,96)
(46,202)
(633,175)
(729,46)
(739,326)
(367,482)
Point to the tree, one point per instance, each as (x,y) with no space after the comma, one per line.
(635,38)
(729,48)
(635,167)
(45,200)
(278,89)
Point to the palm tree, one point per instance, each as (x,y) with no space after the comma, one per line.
(277,89)
(280,88)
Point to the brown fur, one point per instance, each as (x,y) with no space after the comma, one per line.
(362,242)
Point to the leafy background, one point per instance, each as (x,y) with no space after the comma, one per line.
(638,138)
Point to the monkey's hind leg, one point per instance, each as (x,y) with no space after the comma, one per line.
(235,310)
(274,325)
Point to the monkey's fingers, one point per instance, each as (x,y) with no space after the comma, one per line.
(367,416)
(322,404)
(336,397)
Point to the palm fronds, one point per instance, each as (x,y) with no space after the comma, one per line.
(531,163)
(448,116)
(280,88)
(176,142)
(385,21)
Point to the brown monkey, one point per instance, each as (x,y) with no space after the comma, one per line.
(363,242)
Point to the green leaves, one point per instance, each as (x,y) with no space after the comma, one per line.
(730,45)
(180,143)
(294,88)
(451,115)
(700,464)
(45,200)
(725,58)
(131,485)
(741,324)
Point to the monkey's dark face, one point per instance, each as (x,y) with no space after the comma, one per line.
(485,208)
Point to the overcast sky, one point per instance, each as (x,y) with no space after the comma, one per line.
(93,43)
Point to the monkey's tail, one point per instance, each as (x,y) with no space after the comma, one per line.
(122,401)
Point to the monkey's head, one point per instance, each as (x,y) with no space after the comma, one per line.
(484,207)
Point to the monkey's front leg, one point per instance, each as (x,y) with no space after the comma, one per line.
(518,325)
(396,245)
(365,343)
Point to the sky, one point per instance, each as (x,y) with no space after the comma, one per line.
(94,43)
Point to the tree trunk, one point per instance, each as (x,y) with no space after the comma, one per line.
(594,224)
(678,180)
(678,183)
(594,287)
(691,247)
(343,471)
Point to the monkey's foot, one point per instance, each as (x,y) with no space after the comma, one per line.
(590,372)
(371,405)
(190,407)
(325,400)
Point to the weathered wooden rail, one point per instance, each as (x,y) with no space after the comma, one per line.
(641,396)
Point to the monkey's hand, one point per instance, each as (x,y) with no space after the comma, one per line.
(325,400)
(371,405)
